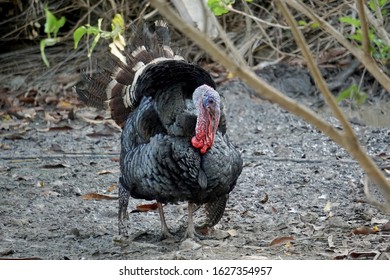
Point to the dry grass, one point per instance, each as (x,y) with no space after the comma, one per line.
(257,30)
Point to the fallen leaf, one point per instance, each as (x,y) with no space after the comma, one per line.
(330,241)
(97,196)
(64,105)
(104,172)
(328,206)
(365,230)
(60,128)
(111,188)
(384,156)
(50,117)
(40,184)
(281,240)
(265,199)
(356,255)
(15,136)
(147,207)
(54,166)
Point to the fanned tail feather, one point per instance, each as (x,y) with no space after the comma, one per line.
(112,88)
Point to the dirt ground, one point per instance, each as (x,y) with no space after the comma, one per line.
(300,196)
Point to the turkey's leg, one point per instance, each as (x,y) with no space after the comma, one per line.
(190,232)
(164,228)
(124,195)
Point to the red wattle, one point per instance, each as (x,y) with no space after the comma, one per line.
(199,144)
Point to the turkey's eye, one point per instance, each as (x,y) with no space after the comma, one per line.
(208,101)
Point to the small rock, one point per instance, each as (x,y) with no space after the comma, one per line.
(75,232)
(189,244)
(232,232)
(221,234)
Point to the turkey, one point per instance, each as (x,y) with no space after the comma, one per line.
(174,145)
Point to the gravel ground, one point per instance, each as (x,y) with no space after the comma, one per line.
(300,196)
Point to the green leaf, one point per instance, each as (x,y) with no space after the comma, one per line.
(78,34)
(43,55)
(360,97)
(60,23)
(52,24)
(218,6)
(302,23)
(352,92)
(43,44)
(352,21)
(345,94)
(315,25)
(357,37)
(118,21)
(50,21)
(93,45)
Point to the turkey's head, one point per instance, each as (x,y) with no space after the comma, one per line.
(207,104)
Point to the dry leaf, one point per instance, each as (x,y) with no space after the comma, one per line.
(365,230)
(53,166)
(50,117)
(97,196)
(111,188)
(281,240)
(384,156)
(104,172)
(147,207)
(60,128)
(356,255)
(330,241)
(64,105)
(328,206)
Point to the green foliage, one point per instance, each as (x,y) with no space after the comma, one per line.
(313,25)
(117,29)
(52,26)
(381,4)
(221,7)
(379,50)
(352,93)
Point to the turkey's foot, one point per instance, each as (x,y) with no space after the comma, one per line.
(192,234)
(190,231)
(167,236)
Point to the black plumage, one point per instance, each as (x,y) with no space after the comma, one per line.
(174,145)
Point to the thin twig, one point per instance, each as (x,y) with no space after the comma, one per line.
(364,27)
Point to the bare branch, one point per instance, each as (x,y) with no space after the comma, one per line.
(364,26)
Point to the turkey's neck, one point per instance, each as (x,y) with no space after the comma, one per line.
(206,127)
